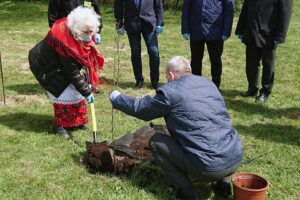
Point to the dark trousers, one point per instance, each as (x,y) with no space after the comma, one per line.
(215,50)
(253,57)
(150,39)
(179,165)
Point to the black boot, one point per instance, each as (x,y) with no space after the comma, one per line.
(62,132)
(222,189)
(187,193)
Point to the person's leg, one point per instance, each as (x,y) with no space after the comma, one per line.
(268,62)
(136,60)
(197,52)
(215,50)
(253,57)
(153,52)
(169,156)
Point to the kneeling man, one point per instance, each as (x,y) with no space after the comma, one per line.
(203,144)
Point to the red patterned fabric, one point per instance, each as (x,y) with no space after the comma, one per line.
(70,115)
(86,53)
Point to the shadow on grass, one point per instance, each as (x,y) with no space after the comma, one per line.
(272,132)
(255,108)
(148,177)
(27,122)
(27,89)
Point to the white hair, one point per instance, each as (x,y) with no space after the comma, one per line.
(83,18)
(178,64)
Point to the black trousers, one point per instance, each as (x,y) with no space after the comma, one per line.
(253,57)
(215,50)
(180,166)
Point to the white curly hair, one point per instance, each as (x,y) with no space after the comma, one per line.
(82,19)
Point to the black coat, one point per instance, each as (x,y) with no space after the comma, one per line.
(263,21)
(58,9)
(55,72)
(150,15)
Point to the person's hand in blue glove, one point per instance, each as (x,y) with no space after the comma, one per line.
(186,36)
(159,29)
(98,38)
(277,42)
(121,31)
(90,99)
(114,95)
(224,37)
(240,36)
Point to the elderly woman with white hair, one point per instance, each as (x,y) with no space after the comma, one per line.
(56,62)
(202,144)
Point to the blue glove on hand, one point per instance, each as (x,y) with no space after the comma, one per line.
(224,37)
(90,98)
(114,95)
(240,36)
(186,36)
(121,31)
(98,38)
(159,29)
(276,42)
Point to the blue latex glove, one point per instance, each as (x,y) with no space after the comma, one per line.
(98,38)
(121,31)
(186,36)
(240,36)
(159,29)
(224,37)
(276,42)
(114,95)
(90,98)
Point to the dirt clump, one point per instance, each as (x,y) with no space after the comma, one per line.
(99,157)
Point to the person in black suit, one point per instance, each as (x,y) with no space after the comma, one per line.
(141,17)
(262,26)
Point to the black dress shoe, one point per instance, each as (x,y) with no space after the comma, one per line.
(62,132)
(155,85)
(222,189)
(249,93)
(97,91)
(139,84)
(261,98)
(187,194)
(83,127)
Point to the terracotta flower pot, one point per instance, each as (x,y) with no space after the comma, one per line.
(247,186)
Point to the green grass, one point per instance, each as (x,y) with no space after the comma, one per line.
(36,164)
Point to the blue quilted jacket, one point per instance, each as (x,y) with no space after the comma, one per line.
(195,115)
(207,19)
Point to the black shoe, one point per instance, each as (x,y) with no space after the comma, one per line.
(97,91)
(155,85)
(222,189)
(249,93)
(83,127)
(188,193)
(261,98)
(62,132)
(139,84)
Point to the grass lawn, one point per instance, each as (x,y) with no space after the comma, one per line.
(36,164)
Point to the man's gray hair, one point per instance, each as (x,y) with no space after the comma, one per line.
(83,18)
(178,64)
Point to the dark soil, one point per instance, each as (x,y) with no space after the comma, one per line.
(98,157)
(140,146)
